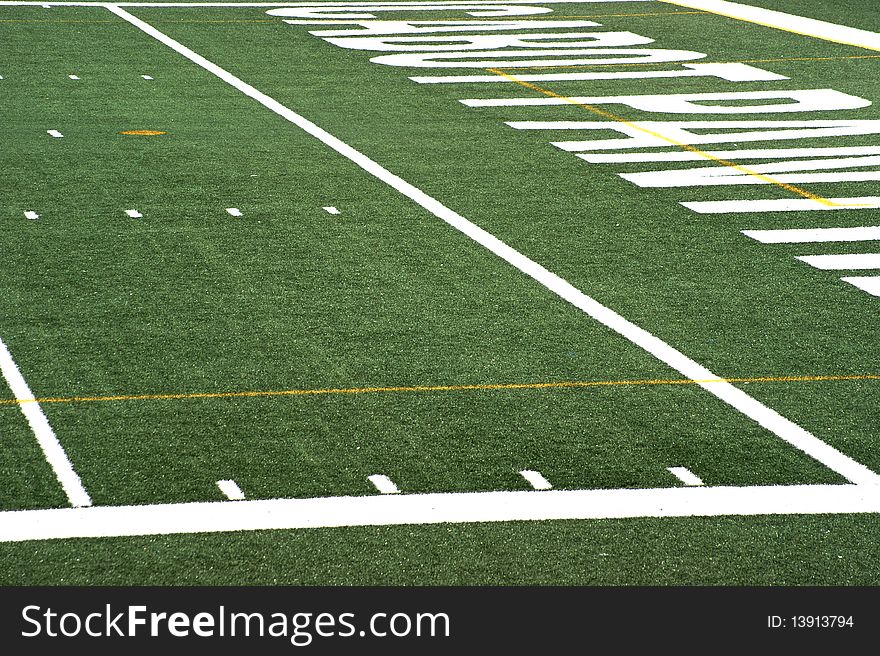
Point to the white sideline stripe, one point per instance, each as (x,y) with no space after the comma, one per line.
(870,284)
(52,449)
(233,211)
(781,205)
(384,484)
(134,214)
(457,508)
(846,261)
(73,77)
(755,410)
(54,133)
(818,29)
(536,479)
(686,476)
(33,216)
(331,210)
(231,490)
(814,235)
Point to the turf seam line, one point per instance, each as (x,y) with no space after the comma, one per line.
(736,398)
(54,453)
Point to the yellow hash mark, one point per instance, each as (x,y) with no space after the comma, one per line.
(674,142)
(437,388)
(143,133)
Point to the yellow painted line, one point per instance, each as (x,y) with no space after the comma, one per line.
(674,142)
(436,388)
(144,133)
(773,26)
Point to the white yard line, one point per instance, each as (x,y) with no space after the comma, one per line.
(750,407)
(396,510)
(231,490)
(818,29)
(814,235)
(52,449)
(686,476)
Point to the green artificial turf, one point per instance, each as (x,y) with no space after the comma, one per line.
(189,300)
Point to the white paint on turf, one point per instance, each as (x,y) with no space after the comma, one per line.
(413,509)
(331,210)
(686,476)
(134,214)
(146,77)
(733,396)
(54,133)
(846,261)
(781,205)
(231,490)
(73,77)
(814,235)
(48,441)
(536,479)
(30,214)
(870,284)
(384,484)
(233,211)
(850,36)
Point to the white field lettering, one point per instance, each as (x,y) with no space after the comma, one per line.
(512,44)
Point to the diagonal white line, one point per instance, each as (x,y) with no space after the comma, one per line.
(396,510)
(755,410)
(52,449)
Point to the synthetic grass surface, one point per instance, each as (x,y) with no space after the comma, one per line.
(191,300)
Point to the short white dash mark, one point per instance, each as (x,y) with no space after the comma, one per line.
(536,479)
(384,484)
(54,133)
(231,490)
(30,214)
(686,476)
(146,77)
(73,77)
(332,210)
(134,214)
(1,77)
(233,211)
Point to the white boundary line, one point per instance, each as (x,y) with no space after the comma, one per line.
(750,407)
(36,418)
(454,508)
(818,29)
